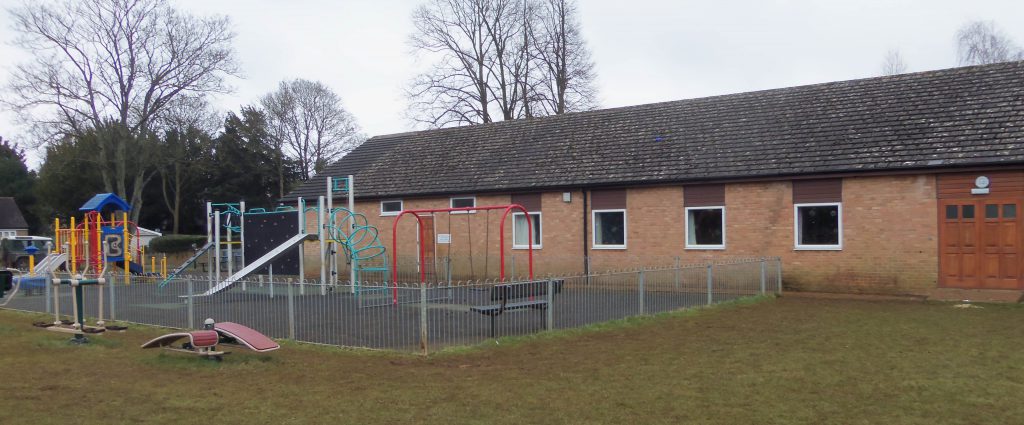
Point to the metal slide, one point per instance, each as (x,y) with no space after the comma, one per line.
(186,264)
(50,264)
(260,262)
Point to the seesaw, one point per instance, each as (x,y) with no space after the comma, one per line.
(204,342)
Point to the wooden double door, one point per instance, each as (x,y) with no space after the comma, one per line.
(980,243)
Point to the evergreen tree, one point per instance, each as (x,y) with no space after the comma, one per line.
(17,181)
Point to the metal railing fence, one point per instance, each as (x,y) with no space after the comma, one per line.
(415,317)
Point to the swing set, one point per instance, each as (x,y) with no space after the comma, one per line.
(419,214)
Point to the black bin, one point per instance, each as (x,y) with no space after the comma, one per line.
(6,282)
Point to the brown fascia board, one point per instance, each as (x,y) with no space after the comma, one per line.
(714,180)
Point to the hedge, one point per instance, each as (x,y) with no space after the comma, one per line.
(176,243)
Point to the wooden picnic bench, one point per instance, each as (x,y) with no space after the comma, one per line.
(518,295)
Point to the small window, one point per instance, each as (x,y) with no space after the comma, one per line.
(951,212)
(705,228)
(991,211)
(609,229)
(968,211)
(393,207)
(819,226)
(520,239)
(463,202)
(1010,211)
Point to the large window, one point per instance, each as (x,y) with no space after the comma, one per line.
(520,239)
(819,226)
(705,228)
(8,233)
(609,229)
(392,207)
(462,202)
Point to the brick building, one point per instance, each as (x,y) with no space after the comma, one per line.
(897,184)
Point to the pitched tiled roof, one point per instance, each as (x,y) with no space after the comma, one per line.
(10,215)
(954,117)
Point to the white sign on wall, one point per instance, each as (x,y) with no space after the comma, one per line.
(445,238)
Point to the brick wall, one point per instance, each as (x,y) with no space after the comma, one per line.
(889,236)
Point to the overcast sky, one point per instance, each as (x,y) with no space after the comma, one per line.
(645,50)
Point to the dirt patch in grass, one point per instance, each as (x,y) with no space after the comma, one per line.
(784,361)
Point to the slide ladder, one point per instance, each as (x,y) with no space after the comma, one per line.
(174,273)
(360,241)
(260,262)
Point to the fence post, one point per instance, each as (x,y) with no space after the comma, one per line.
(764,273)
(270,279)
(49,301)
(113,310)
(448,269)
(550,317)
(779,274)
(191,305)
(640,279)
(710,284)
(291,311)
(423,318)
(677,272)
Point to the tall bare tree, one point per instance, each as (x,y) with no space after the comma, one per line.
(499,55)
(114,63)
(982,42)
(893,64)
(307,118)
(456,89)
(566,70)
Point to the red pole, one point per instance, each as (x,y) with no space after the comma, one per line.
(394,252)
(529,238)
(416,213)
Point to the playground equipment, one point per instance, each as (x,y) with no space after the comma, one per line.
(260,233)
(343,227)
(424,240)
(90,242)
(77,282)
(204,342)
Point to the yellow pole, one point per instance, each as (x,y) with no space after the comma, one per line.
(74,246)
(99,240)
(127,250)
(56,234)
(163,266)
(32,265)
(152,263)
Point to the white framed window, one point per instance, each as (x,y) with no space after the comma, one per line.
(818,226)
(705,227)
(462,202)
(609,229)
(391,207)
(520,238)
(8,233)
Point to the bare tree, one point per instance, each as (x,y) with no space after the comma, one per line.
(566,71)
(455,90)
(123,62)
(504,54)
(893,63)
(981,42)
(307,118)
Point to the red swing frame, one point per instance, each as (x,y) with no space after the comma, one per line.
(501,240)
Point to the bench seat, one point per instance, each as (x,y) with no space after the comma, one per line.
(495,309)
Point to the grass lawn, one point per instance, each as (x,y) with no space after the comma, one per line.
(779,361)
